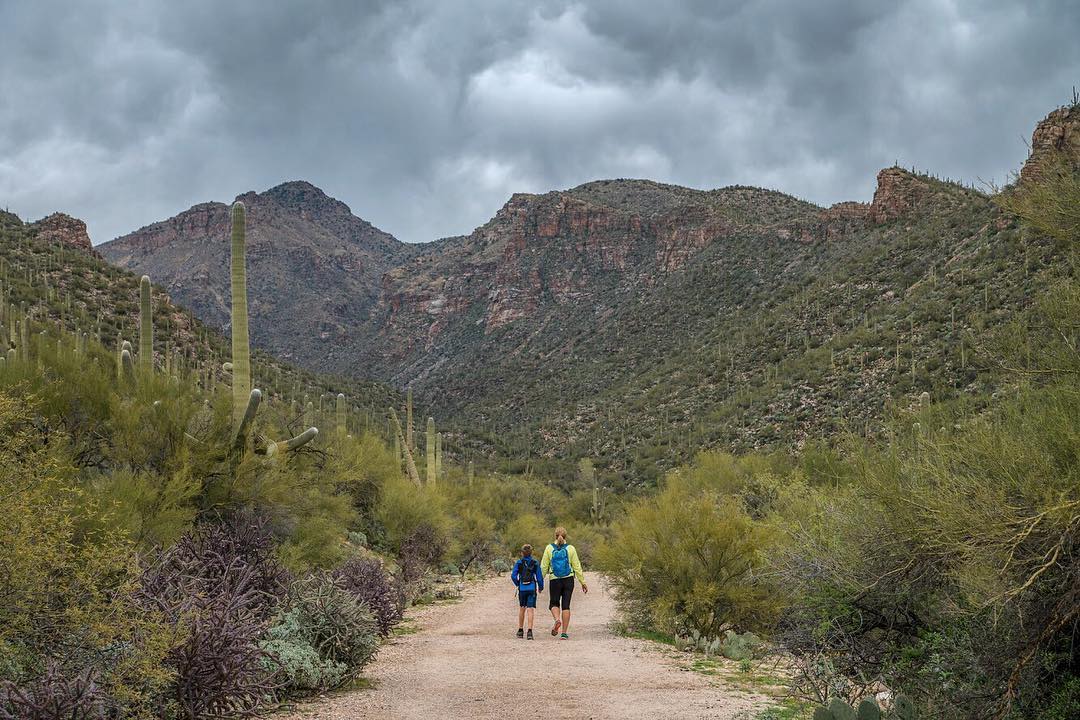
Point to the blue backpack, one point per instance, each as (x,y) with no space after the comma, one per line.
(560,561)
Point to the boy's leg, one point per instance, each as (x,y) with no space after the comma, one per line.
(521,618)
(530,614)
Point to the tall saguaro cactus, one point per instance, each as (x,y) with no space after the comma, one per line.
(409,421)
(430,448)
(246,399)
(438,456)
(146,327)
(339,412)
(241,358)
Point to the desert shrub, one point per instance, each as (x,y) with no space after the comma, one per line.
(366,579)
(474,539)
(221,583)
(53,697)
(950,567)
(335,623)
(420,550)
(298,665)
(403,508)
(526,528)
(740,646)
(689,559)
(68,607)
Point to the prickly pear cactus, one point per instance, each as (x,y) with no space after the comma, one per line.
(840,710)
(868,710)
(903,708)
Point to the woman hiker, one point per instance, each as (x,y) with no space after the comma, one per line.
(561,564)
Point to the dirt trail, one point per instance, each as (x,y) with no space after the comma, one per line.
(466,663)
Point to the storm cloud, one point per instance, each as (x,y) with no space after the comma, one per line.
(425,115)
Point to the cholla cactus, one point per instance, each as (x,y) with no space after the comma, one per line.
(146,327)
(430,448)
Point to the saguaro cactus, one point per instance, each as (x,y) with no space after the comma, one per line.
(241,358)
(409,420)
(438,456)
(146,327)
(410,464)
(339,412)
(430,448)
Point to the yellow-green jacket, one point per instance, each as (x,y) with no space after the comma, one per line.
(571,555)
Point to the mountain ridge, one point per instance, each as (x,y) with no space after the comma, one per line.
(569,309)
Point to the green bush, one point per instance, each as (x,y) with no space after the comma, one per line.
(689,559)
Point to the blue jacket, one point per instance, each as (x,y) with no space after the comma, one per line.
(525,584)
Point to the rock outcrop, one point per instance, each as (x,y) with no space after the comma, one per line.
(1057,135)
(898,193)
(64,229)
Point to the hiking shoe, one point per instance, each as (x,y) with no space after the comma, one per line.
(529,636)
(521,633)
(555,628)
(564,636)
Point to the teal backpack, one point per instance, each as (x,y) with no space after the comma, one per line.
(560,561)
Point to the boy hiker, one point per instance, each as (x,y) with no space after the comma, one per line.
(528,578)
(561,562)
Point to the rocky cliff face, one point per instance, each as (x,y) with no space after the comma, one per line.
(1057,134)
(313,267)
(63,229)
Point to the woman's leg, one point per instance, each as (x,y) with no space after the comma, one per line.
(567,593)
(555,589)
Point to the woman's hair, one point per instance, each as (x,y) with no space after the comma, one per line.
(526,550)
(560,532)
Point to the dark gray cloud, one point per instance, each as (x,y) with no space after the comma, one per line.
(424,115)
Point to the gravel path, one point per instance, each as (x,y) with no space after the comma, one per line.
(466,663)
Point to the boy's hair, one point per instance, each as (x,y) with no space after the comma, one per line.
(560,531)
(526,550)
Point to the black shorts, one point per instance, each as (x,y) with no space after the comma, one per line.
(561,590)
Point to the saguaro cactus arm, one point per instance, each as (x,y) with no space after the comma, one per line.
(283,446)
(252,407)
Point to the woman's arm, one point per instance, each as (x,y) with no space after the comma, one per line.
(575,563)
(545,563)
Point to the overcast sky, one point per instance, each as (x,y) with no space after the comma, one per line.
(425,115)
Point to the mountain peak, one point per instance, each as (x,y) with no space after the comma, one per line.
(302,195)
